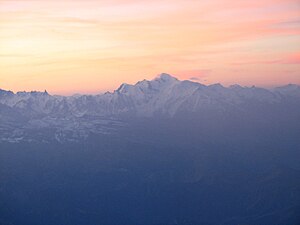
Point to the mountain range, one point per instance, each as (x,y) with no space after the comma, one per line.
(157,152)
(163,97)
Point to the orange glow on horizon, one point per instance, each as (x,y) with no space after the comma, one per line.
(92,46)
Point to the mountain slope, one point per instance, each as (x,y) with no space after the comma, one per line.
(165,94)
(163,97)
(157,152)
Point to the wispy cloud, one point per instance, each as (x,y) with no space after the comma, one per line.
(293,58)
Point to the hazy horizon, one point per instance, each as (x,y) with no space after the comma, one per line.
(134,83)
(92,46)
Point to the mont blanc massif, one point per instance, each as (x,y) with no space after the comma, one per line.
(159,152)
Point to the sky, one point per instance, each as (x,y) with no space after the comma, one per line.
(89,46)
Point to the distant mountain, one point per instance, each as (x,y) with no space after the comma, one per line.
(163,97)
(157,152)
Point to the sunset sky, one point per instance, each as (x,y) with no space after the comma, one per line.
(89,46)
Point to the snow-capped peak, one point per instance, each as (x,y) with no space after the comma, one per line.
(159,83)
(6,93)
(164,94)
(123,88)
(166,78)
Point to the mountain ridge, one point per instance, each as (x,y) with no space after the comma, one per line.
(163,97)
(163,77)
(164,94)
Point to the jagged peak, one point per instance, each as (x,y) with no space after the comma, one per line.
(123,87)
(142,82)
(289,86)
(6,92)
(33,93)
(163,78)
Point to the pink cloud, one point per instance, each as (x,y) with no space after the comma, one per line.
(195,75)
(293,58)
